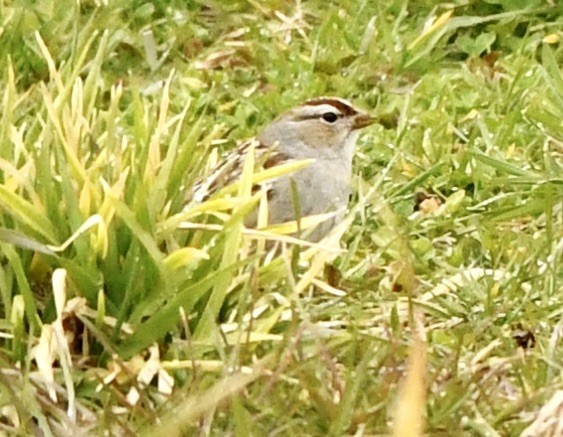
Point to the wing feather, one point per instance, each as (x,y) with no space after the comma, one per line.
(230,168)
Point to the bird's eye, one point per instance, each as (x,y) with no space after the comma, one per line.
(329,117)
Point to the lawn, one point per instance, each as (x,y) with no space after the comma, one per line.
(129,309)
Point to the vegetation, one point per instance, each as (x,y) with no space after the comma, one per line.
(125,312)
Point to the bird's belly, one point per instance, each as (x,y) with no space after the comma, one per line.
(318,189)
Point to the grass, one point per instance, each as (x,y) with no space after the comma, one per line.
(124,313)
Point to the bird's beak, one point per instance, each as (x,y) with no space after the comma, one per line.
(362,120)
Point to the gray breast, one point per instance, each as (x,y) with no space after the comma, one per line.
(322,187)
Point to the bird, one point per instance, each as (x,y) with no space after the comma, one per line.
(323,130)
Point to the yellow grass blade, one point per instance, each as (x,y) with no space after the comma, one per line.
(410,407)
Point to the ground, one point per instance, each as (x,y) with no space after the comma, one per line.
(437,312)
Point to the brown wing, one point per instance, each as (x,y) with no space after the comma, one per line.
(229,169)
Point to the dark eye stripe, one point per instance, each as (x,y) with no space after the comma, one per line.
(317,116)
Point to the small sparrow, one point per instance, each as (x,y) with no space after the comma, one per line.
(325,130)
